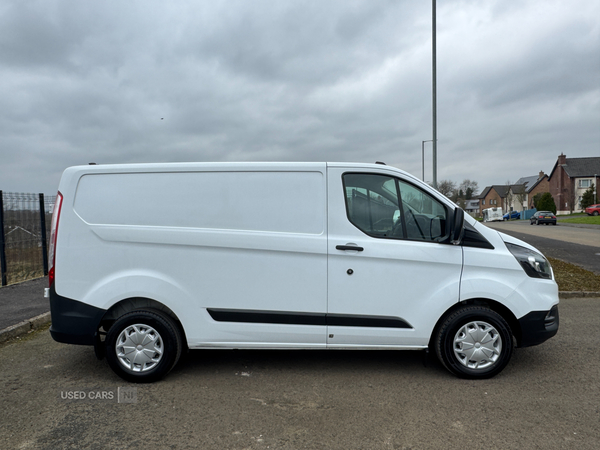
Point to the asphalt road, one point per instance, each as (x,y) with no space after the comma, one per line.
(577,245)
(547,398)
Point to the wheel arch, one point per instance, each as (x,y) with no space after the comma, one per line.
(133,304)
(491,304)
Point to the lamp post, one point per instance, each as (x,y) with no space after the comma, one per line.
(434,90)
(423,158)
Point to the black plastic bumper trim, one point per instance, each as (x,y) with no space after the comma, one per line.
(73,322)
(538,326)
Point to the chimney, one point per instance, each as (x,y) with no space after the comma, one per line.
(562,160)
(541,174)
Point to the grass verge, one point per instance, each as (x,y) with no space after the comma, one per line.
(590,220)
(570,277)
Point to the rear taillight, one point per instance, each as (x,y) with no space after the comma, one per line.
(53,233)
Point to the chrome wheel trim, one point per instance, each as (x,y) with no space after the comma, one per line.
(477,345)
(139,348)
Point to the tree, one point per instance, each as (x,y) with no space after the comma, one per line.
(520,196)
(536,200)
(469,187)
(447,187)
(587,198)
(546,203)
(509,196)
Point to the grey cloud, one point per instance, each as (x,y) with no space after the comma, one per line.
(267,80)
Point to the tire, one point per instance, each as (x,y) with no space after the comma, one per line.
(158,349)
(595,213)
(530,222)
(478,328)
(537,222)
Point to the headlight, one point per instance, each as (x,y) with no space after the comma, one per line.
(534,264)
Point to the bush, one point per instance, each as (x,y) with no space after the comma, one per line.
(536,200)
(587,198)
(546,203)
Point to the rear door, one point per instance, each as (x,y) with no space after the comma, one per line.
(390,277)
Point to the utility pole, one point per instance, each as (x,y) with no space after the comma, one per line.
(434,91)
(423,159)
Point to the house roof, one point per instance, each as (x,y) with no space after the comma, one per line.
(518,188)
(502,190)
(529,182)
(485,192)
(580,167)
(530,187)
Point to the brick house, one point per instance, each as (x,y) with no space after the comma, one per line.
(569,179)
(493,197)
(532,186)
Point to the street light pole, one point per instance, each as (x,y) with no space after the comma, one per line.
(434,91)
(423,159)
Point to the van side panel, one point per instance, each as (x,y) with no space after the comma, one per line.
(289,202)
(251,240)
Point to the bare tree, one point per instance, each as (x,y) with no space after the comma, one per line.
(521,196)
(447,187)
(509,196)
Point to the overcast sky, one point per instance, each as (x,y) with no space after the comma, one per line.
(155,81)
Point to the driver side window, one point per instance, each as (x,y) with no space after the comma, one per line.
(426,218)
(385,207)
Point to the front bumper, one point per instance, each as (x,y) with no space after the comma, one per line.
(73,322)
(538,326)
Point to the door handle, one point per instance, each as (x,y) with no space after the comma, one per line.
(356,248)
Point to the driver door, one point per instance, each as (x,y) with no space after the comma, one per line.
(389,275)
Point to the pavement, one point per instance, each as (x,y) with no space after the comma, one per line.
(21,301)
(23,308)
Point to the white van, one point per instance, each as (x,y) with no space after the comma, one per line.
(147,260)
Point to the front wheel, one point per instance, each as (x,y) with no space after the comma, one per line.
(474,342)
(143,346)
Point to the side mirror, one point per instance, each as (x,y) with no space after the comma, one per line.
(458,227)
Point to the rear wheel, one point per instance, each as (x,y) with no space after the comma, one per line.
(474,342)
(143,346)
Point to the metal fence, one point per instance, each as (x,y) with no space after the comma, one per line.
(24,227)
